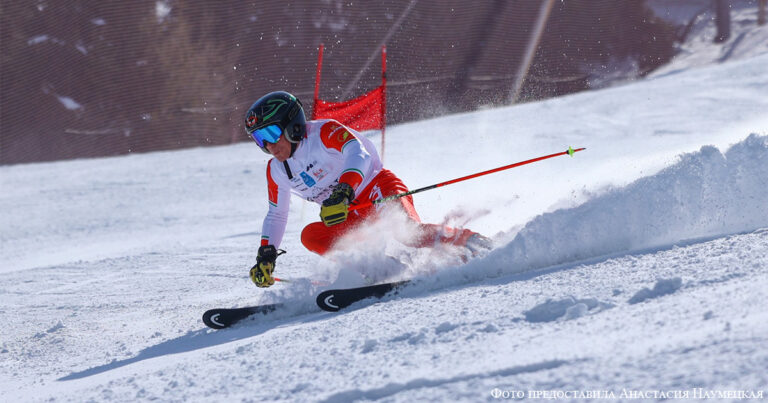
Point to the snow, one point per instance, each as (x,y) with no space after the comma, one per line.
(662,287)
(635,269)
(81,48)
(38,39)
(680,12)
(69,103)
(705,194)
(568,308)
(747,38)
(162,10)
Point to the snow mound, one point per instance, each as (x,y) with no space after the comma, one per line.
(706,194)
(663,287)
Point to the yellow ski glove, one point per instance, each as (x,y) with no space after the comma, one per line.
(335,208)
(261,272)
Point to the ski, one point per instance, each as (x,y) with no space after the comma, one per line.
(335,300)
(329,300)
(221,318)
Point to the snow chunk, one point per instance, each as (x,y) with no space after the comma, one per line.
(567,309)
(58,326)
(445,327)
(81,48)
(162,10)
(98,21)
(38,39)
(55,328)
(662,287)
(69,103)
(412,338)
(369,346)
(576,311)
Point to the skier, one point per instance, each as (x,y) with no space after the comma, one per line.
(328,163)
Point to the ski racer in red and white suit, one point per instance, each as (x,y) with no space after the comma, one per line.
(330,164)
(330,154)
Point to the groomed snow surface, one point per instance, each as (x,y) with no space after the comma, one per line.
(636,267)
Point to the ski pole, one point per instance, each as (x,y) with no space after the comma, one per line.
(570,151)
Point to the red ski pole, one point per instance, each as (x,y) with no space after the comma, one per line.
(570,151)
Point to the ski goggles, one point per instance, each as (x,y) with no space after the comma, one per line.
(267,134)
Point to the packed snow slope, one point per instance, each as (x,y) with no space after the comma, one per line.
(640,264)
(747,39)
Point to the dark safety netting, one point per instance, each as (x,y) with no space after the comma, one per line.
(98,78)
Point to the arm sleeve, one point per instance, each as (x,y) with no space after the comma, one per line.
(357,160)
(273,228)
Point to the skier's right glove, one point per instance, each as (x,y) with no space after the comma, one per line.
(261,272)
(335,208)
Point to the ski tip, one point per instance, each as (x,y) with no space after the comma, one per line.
(211,319)
(325,301)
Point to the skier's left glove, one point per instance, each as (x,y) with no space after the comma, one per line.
(335,208)
(261,272)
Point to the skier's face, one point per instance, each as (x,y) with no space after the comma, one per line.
(281,150)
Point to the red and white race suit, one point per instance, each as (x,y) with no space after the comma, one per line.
(331,153)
